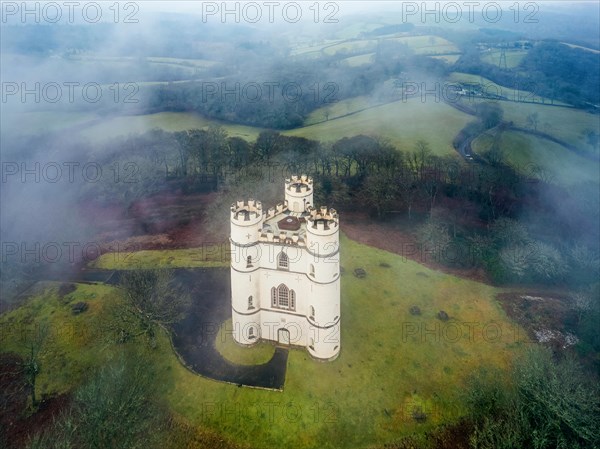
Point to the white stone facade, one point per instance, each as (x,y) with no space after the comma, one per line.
(285,272)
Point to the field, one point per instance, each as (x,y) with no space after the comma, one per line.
(403,123)
(393,367)
(355,61)
(168,121)
(492,88)
(206,256)
(534,156)
(513,57)
(427,45)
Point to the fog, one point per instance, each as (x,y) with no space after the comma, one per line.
(59,79)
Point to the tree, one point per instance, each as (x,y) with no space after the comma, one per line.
(153,298)
(543,404)
(379,191)
(533,120)
(31,364)
(490,114)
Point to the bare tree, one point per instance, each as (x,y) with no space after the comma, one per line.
(153,298)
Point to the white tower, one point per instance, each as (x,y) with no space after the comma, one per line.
(285,272)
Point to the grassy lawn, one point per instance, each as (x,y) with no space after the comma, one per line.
(528,153)
(256,355)
(402,123)
(390,363)
(206,256)
(168,121)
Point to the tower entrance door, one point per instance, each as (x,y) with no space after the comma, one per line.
(283,337)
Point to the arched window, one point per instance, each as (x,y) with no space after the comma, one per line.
(312,270)
(312,313)
(283,262)
(249,262)
(250,302)
(283,298)
(283,295)
(251,335)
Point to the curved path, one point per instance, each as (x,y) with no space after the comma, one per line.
(193,338)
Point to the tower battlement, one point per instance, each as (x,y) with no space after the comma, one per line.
(246,211)
(322,219)
(299,184)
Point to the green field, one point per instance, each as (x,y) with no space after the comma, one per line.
(567,124)
(391,362)
(206,256)
(168,121)
(492,88)
(534,156)
(355,61)
(450,59)
(402,123)
(351,46)
(428,44)
(513,57)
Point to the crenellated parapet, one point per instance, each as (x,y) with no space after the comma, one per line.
(246,213)
(322,220)
(299,184)
(273,211)
(299,193)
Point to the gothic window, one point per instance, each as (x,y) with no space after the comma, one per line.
(283,298)
(312,270)
(250,302)
(283,262)
(249,262)
(312,313)
(251,335)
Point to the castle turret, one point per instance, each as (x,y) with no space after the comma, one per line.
(322,241)
(299,193)
(246,221)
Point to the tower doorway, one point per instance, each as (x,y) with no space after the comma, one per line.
(283,337)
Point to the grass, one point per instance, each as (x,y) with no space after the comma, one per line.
(450,59)
(402,123)
(529,154)
(352,46)
(168,121)
(492,88)
(428,44)
(567,124)
(73,347)
(256,355)
(513,57)
(390,361)
(355,61)
(206,256)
